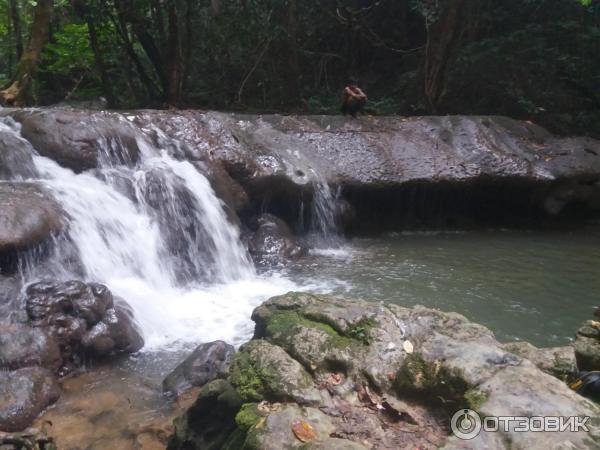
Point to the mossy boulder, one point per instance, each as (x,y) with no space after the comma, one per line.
(209,423)
(361,374)
(264,371)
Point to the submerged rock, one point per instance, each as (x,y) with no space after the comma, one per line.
(326,372)
(24,394)
(207,362)
(22,345)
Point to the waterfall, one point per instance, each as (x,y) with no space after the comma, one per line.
(158,236)
(323,215)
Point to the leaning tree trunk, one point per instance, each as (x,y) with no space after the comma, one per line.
(442,36)
(16,93)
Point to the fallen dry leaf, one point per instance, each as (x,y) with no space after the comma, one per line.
(303,431)
(334,379)
(265,406)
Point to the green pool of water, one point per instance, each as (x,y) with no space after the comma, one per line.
(535,286)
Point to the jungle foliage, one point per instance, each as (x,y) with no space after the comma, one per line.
(530,59)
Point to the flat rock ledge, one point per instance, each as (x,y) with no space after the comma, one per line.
(329,373)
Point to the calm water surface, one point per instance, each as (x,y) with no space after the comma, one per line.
(536,286)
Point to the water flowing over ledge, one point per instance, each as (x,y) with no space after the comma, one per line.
(162,206)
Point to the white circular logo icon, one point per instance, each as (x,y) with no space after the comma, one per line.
(466,424)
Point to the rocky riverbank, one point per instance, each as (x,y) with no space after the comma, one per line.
(330,373)
(338,374)
(444,171)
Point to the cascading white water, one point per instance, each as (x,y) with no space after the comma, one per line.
(323,221)
(158,236)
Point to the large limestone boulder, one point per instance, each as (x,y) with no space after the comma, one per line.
(78,139)
(468,164)
(370,375)
(29,216)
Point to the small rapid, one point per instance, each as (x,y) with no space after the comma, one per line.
(156,234)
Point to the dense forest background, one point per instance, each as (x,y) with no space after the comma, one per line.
(531,59)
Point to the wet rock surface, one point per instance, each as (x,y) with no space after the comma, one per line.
(22,345)
(83,318)
(61,326)
(15,156)
(24,394)
(273,242)
(326,372)
(207,362)
(473,168)
(112,408)
(29,216)
(77,139)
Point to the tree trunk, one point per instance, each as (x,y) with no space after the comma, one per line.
(188,47)
(84,12)
(174,72)
(140,28)
(288,46)
(442,36)
(147,82)
(16,27)
(16,93)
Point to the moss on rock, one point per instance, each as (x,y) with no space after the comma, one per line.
(249,380)
(432,381)
(248,416)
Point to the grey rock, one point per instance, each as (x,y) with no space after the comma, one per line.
(28,217)
(117,332)
(22,346)
(273,243)
(15,156)
(82,318)
(207,362)
(79,140)
(88,302)
(210,421)
(452,358)
(282,377)
(587,346)
(556,361)
(276,431)
(24,394)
